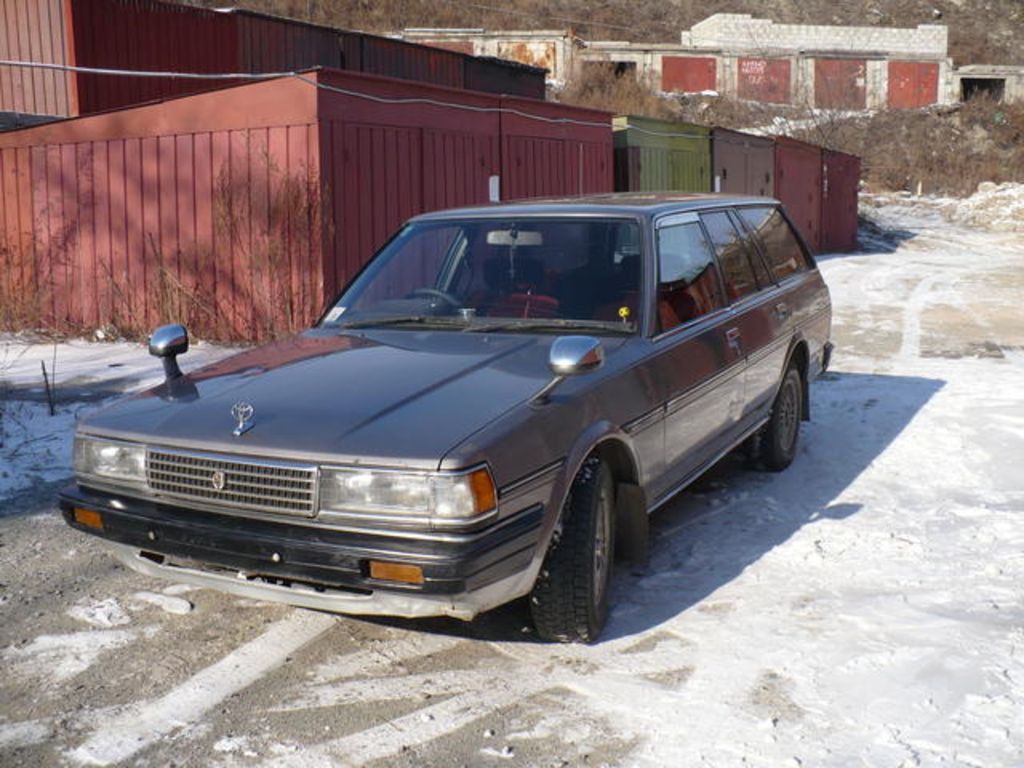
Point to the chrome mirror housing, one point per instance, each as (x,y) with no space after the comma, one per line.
(571,356)
(167,342)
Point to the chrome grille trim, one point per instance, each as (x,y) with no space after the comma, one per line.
(254,484)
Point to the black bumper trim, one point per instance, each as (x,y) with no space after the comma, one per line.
(314,555)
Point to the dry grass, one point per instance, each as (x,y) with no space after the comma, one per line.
(943,150)
(597,86)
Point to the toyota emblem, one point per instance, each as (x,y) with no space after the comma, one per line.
(217,480)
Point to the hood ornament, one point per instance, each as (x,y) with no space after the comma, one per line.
(243,413)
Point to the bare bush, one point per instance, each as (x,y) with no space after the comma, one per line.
(600,86)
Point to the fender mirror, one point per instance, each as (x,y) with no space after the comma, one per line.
(167,342)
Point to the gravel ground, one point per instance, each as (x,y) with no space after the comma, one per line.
(862,608)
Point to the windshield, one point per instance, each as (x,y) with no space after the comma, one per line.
(478,274)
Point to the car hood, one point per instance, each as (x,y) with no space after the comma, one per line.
(387,397)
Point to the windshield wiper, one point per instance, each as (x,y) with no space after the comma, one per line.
(426,320)
(553,323)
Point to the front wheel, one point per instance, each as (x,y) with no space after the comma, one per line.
(569,602)
(777,445)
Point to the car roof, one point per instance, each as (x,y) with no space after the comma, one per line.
(621,203)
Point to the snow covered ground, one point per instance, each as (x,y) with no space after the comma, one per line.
(862,608)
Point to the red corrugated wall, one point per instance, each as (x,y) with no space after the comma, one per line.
(268,44)
(386,162)
(798,186)
(840,83)
(543,157)
(688,74)
(424,63)
(840,181)
(203,209)
(240,211)
(761,79)
(147,35)
(913,84)
(34,30)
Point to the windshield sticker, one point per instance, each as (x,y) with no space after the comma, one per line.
(335,313)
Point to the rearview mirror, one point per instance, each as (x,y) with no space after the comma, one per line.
(516,237)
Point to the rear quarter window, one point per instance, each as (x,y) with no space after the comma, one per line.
(734,255)
(781,249)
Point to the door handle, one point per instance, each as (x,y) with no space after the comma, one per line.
(782,310)
(732,336)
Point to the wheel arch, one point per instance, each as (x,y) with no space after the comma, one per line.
(799,355)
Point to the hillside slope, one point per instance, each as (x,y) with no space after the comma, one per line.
(980,31)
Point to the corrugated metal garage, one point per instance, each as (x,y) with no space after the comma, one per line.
(840,182)
(743,164)
(242,210)
(659,155)
(149,35)
(798,185)
(34,30)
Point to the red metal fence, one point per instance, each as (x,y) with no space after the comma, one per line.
(240,211)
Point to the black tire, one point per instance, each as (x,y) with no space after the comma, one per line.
(569,602)
(778,439)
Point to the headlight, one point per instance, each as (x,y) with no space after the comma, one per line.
(109,459)
(434,498)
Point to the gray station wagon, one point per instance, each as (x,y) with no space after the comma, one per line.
(497,399)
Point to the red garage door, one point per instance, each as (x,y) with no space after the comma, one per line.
(764,80)
(688,74)
(913,84)
(839,83)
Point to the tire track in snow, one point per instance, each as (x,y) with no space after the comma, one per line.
(141,724)
(910,345)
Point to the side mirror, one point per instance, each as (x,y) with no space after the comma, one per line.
(167,342)
(571,356)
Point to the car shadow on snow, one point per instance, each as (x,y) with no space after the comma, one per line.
(727,520)
(872,239)
(734,514)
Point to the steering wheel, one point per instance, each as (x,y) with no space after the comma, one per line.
(434,293)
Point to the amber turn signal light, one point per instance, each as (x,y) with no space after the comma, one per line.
(410,574)
(88,517)
(485,498)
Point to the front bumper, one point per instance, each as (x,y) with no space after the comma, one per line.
(316,567)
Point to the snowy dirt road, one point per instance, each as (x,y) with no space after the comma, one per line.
(862,608)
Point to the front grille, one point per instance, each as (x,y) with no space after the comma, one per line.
(261,486)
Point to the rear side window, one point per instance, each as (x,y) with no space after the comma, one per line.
(688,282)
(782,250)
(734,255)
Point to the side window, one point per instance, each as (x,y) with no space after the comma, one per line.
(688,283)
(781,248)
(734,255)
